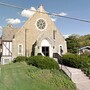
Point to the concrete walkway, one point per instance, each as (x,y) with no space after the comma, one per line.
(78,77)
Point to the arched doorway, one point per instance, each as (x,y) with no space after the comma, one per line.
(45,47)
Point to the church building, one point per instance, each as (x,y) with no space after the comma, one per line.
(38,35)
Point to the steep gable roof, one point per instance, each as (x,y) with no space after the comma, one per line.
(8,32)
(30,24)
(41,9)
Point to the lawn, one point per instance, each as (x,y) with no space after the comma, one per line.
(20,76)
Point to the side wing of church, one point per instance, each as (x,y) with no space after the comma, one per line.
(38,35)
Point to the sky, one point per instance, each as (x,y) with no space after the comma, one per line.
(71,8)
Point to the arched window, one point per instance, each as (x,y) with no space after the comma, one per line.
(20,49)
(61,50)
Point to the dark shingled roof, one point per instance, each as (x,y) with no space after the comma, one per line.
(8,32)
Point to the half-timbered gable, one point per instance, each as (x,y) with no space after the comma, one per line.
(7,37)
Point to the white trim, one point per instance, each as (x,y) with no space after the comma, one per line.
(51,51)
(37,27)
(46,43)
(10,47)
(7,48)
(21,49)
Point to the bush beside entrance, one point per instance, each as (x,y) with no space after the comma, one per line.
(43,62)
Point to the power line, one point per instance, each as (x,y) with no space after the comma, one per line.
(9,5)
(53,14)
(82,20)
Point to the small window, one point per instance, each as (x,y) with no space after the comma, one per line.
(6,61)
(13,36)
(20,49)
(61,50)
(53,34)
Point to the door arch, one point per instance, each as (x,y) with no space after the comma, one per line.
(46,48)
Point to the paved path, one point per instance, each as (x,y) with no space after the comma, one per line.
(79,78)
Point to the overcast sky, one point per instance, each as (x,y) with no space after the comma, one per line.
(72,8)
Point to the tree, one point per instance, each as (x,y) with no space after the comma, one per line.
(73,43)
(84,40)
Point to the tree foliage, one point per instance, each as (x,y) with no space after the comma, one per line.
(84,40)
(74,42)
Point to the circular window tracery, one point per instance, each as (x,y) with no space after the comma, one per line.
(41,24)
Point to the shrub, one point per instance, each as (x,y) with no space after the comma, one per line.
(43,62)
(20,59)
(71,60)
(86,71)
(77,61)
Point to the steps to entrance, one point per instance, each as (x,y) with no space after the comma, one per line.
(79,78)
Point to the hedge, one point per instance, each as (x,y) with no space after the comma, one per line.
(43,62)
(20,59)
(75,60)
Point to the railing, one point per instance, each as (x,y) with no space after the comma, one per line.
(42,54)
(64,68)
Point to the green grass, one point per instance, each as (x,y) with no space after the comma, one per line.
(20,76)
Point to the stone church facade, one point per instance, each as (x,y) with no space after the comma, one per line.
(38,35)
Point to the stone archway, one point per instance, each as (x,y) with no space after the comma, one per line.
(45,46)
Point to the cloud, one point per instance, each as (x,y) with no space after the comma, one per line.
(27,13)
(53,19)
(66,36)
(62,14)
(0,27)
(13,21)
